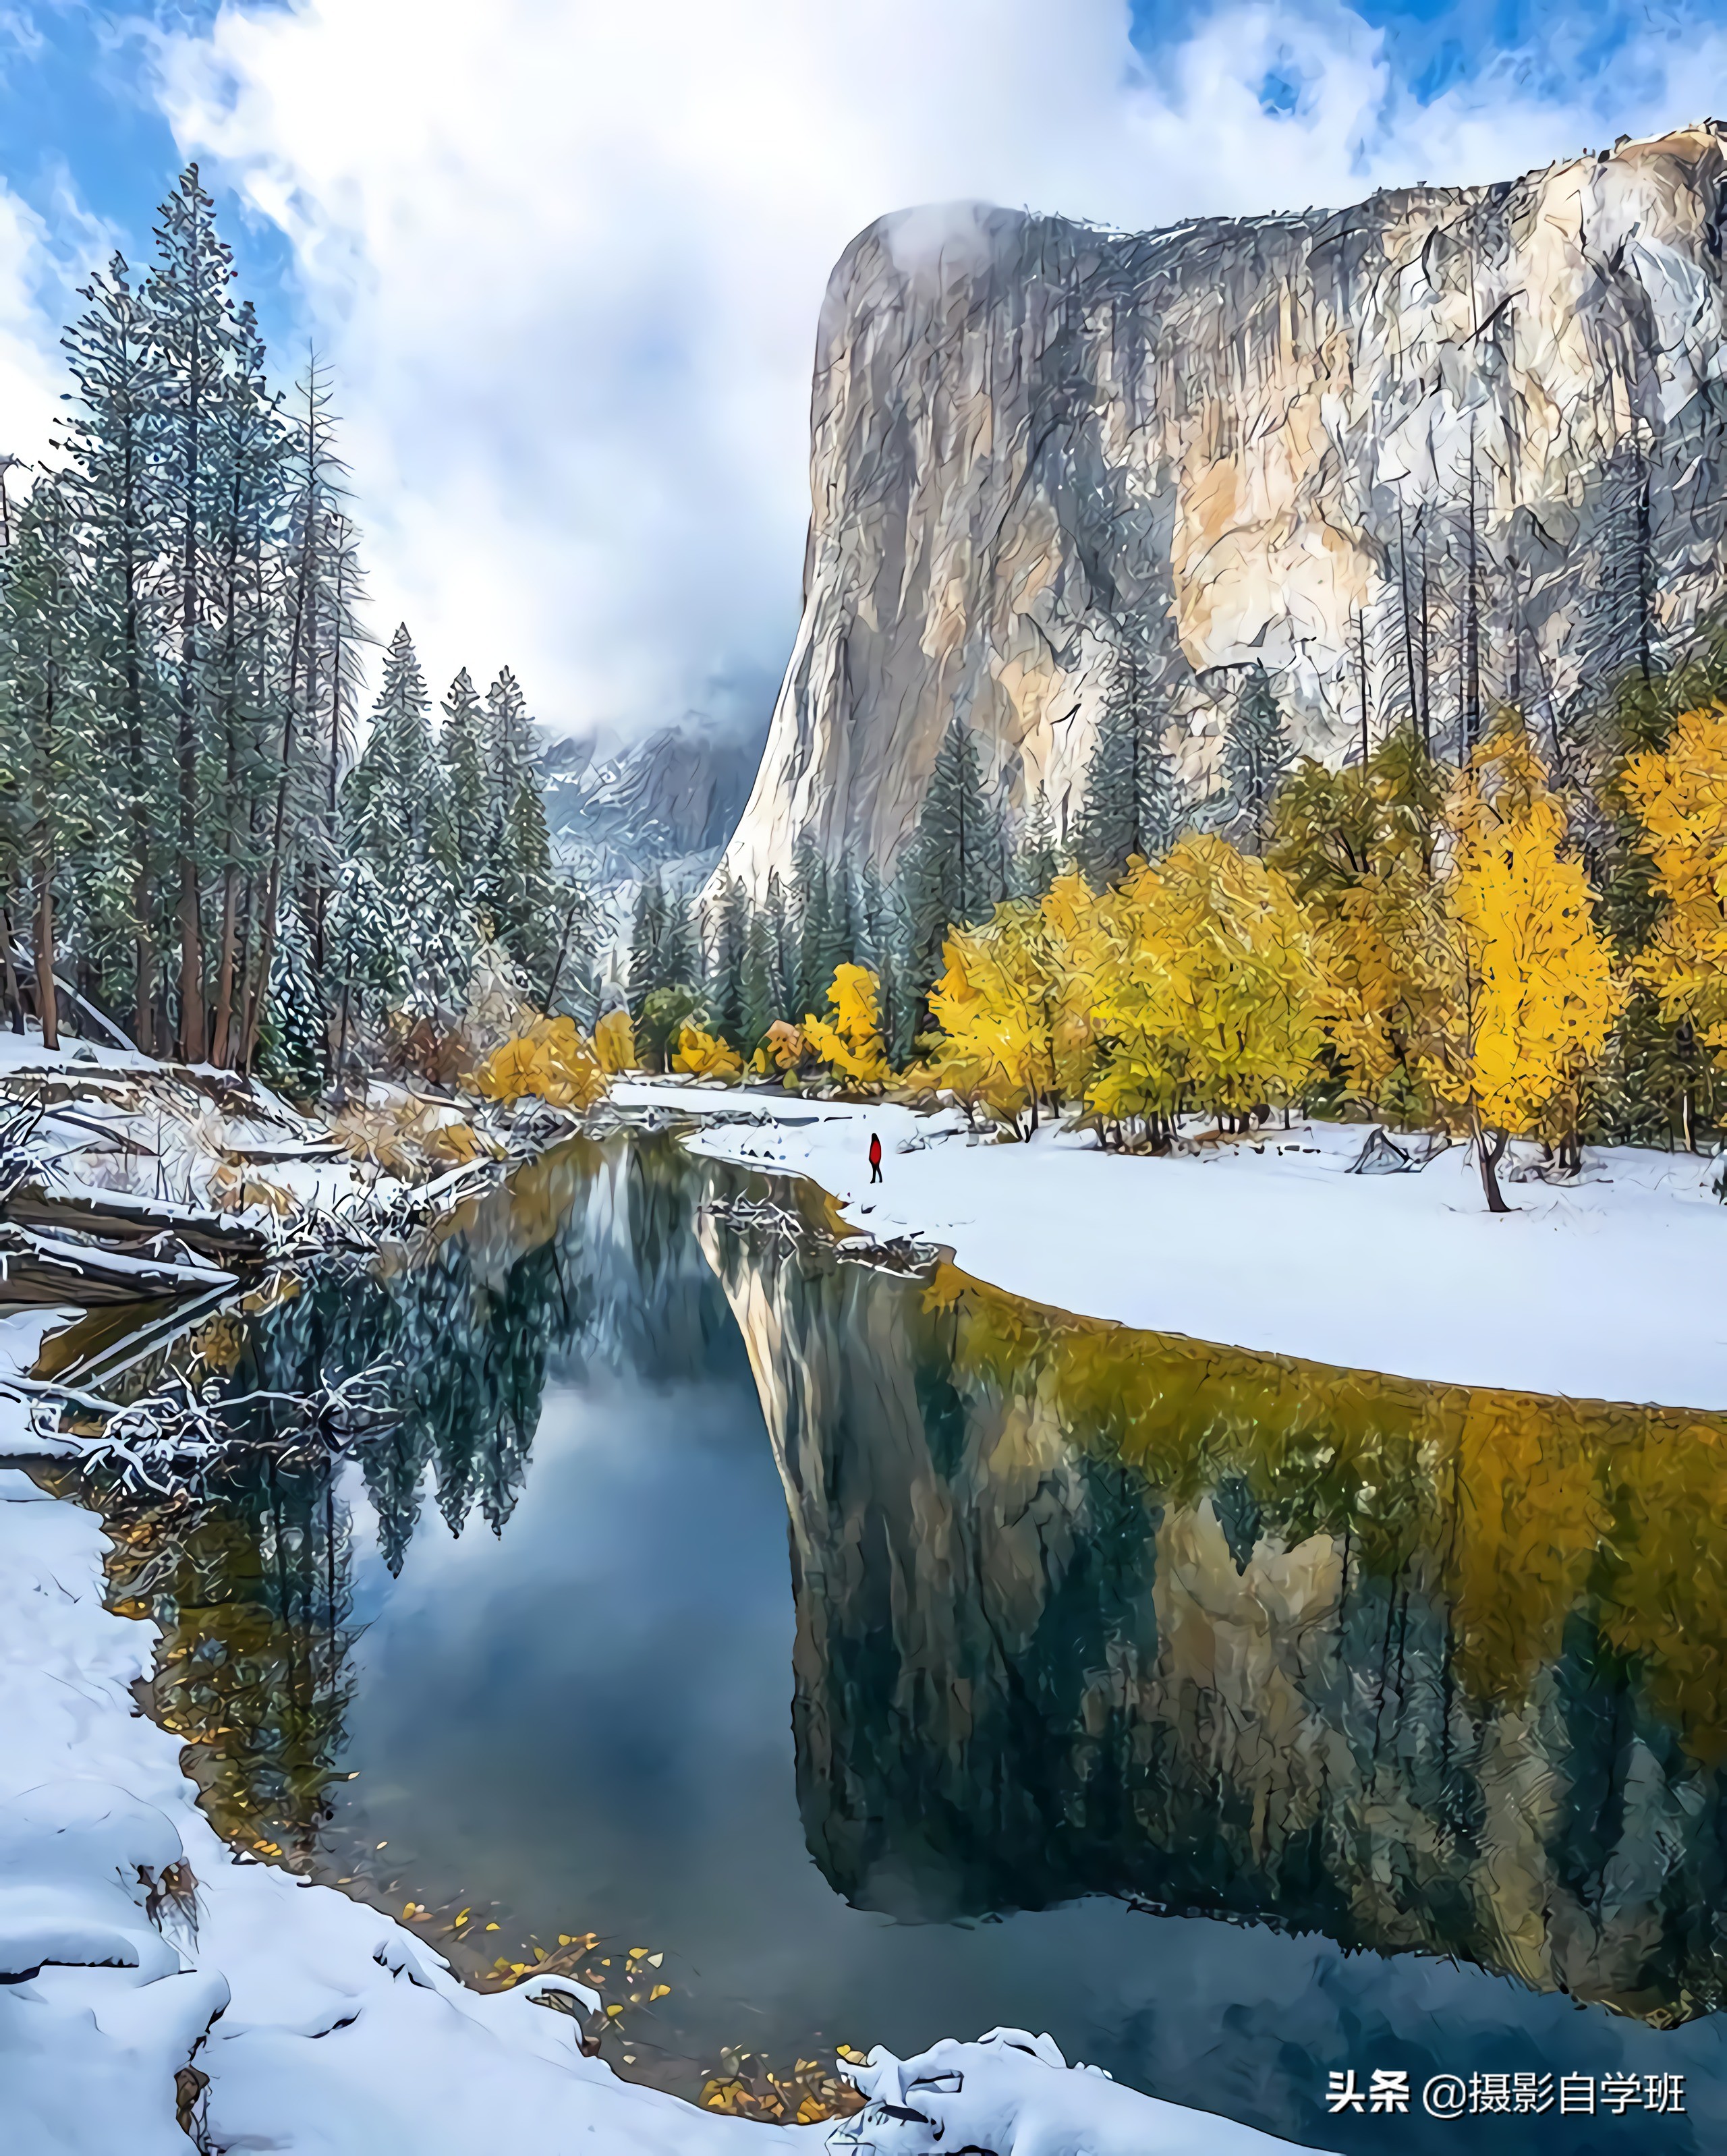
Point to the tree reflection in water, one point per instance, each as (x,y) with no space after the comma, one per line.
(1079,1610)
(588,1254)
(1086,1610)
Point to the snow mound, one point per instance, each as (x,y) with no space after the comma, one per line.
(1014,2094)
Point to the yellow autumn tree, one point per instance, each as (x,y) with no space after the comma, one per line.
(783,1047)
(549,1060)
(1358,846)
(1013,1007)
(1210,989)
(707,1055)
(1518,991)
(851,1044)
(1679,796)
(615,1043)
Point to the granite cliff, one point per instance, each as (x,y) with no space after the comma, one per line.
(1449,448)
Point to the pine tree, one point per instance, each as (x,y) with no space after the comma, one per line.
(647,936)
(386,796)
(572,985)
(762,1000)
(840,939)
(952,875)
(296,1045)
(680,948)
(1255,752)
(193,327)
(508,742)
(810,913)
(523,895)
(371,958)
(1036,863)
(249,447)
(1131,807)
(317,691)
(112,493)
(47,732)
(461,750)
(882,949)
(782,951)
(728,940)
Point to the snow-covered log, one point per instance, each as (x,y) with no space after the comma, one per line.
(46,1269)
(116,1217)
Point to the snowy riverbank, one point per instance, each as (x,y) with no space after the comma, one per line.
(1607,1288)
(321,2024)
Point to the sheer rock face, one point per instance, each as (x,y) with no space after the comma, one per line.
(1449,448)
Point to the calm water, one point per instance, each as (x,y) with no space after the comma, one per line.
(896,1659)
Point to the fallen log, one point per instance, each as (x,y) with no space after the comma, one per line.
(118,1217)
(44,1269)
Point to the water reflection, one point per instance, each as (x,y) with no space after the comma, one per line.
(1361,1668)
(1083,1610)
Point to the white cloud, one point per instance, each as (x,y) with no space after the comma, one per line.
(36,295)
(568,257)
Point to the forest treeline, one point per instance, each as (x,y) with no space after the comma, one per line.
(192,840)
(1527,939)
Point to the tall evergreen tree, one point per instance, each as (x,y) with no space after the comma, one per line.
(1132,805)
(811,924)
(249,447)
(1036,862)
(193,327)
(882,948)
(1255,753)
(47,734)
(296,1050)
(952,876)
(728,937)
(318,689)
(647,936)
(112,493)
(461,750)
(680,948)
(389,790)
(782,945)
(508,740)
(763,1002)
(524,895)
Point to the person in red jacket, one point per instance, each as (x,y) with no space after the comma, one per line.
(874,1157)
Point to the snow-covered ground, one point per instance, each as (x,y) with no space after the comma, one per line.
(1609,1288)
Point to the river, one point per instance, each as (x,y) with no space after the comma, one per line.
(880,1657)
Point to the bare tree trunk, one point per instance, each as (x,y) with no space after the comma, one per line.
(47,1000)
(224,974)
(1488,1157)
(1361,670)
(14,999)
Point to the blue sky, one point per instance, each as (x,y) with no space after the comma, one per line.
(566,258)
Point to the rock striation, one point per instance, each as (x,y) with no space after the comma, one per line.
(1450,448)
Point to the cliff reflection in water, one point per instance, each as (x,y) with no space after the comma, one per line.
(1084,1611)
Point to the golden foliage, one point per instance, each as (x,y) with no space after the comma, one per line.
(1210,987)
(1679,796)
(1518,1510)
(615,1043)
(852,1043)
(549,1061)
(784,1043)
(1014,1005)
(707,1055)
(1518,995)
